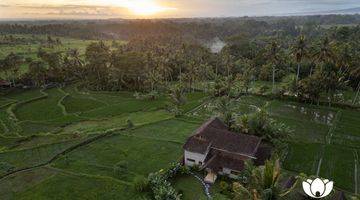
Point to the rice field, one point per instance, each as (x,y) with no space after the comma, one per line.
(325,140)
(36,125)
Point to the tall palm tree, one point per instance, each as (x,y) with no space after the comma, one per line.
(299,52)
(264,183)
(325,53)
(224,109)
(274,57)
(227,61)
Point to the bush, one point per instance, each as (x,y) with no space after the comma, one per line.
(130,124)
(263,89)
(184,170)
(153,95)
(141,184)
(261,124)
(161,187)
(224,187)
(195,168)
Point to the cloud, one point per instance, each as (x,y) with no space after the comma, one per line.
(185,8)
(70,10)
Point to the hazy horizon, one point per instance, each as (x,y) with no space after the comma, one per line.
(130,9)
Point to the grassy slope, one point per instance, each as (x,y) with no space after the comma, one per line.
(43,109)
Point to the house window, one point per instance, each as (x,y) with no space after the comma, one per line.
(190,160)
(236,173)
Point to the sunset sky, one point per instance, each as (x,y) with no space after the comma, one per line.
(94,9)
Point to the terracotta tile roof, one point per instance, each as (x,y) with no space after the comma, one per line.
(216,133)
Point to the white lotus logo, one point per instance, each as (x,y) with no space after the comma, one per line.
(317,188)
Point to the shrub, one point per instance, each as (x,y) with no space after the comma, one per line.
(195,168)
(153,95)
(184,170)
(130,124)
(141,184)
(224,187)
(263,89)
(161,187)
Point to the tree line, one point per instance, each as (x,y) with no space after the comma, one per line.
(307,66)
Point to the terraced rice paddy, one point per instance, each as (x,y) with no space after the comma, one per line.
(38,125)
(325,141)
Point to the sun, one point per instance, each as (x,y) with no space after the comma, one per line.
(142,7)
(146,7)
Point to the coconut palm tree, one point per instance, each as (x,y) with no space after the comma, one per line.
(264,183)
(224,109)
(299,52)
(324,54)
(274,57)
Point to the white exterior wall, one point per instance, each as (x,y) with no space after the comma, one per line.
(194,156)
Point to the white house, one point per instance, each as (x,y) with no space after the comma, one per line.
(221,152)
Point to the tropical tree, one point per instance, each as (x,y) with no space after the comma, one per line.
(97,56)
(264,183)
(73,65)
(11,66)
(273,56)
(324,54)
(126,70)
(177,98)
(299,52)
(310,87)
(191,74)
(223,108)
(227,61)
(154,78)
(38,73)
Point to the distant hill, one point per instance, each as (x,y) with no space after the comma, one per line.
(347,11)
